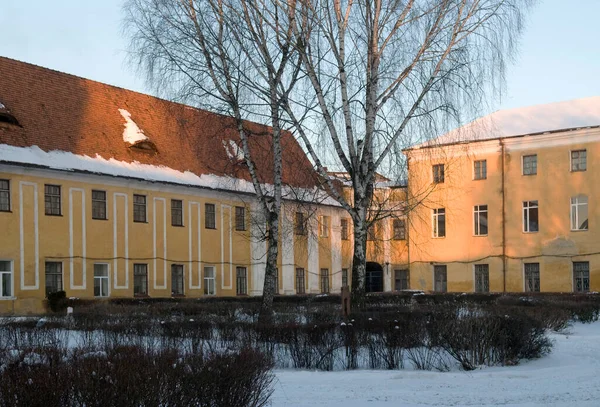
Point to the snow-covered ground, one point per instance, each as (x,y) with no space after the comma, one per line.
(569,376)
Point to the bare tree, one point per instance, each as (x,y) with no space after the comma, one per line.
(385,74)
(233,55)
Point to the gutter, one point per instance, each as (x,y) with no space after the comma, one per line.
(503,193)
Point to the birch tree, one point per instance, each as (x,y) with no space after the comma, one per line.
(232,55)
(384,74)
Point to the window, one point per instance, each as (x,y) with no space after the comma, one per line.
(401,281)
(530,216)
(372,232)
(54,282)
(4,195)
(210,216)
(100,280)
(276,281)
(344,277)
(300,224)
(139,208)
(98,204)
(240,218)
(300,286)
(579,213)
(242,282)
(530,164)
(140,279)
(344,225)
(532,277)
(5,279)
(438,173)
(324,281)
(578,160)
(399,229)
(480,169)
(52,199)
(209,280)
(176,212)
(176,279)
(581,276)
(440,276)
(439,222)
(480,214)
(323,226)
(482,278)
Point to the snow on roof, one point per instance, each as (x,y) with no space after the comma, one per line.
(62,160)
(570,114)
(2,106)
(233,150)
(132,133)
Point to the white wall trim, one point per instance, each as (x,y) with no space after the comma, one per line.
(164,202)
(36,286)
(230,286)
(116,286)
(190,245)
(83,241)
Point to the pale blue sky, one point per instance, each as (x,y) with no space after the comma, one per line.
(559,57)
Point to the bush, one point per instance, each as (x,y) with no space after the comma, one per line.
(57,301)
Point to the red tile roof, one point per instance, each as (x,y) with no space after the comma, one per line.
(58,111)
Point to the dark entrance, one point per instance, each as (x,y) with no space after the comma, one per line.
(374,280)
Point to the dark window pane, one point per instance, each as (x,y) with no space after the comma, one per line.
(176,212)
(240,218)
(210,220)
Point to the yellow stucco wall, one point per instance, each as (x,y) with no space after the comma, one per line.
(120,242)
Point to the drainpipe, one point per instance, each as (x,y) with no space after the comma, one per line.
(503,193)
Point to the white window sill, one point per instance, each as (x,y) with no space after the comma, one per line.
(8,298)
(580,230)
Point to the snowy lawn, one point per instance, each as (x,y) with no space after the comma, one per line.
(569,376)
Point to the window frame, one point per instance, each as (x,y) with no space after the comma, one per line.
(324,226)
(209,282)
(11,273)
(477,215)
(103,202)
(526,212)
(241,280)
(575,277)
(438,173)
(481,269)
(180,268)
(300,277)
(482,173)
(438,269)
(300,228)
(324,281)
(210,216)
(344,228)
(345,277)
(102,278)
(177,214)
(136,267)
(527,287)
(436,214)
(574,206)
(48,211)
(5,192)
(60,274)
(399,272)
(578,151)
(398,229)
(523,159)
(137,208)
(240,218)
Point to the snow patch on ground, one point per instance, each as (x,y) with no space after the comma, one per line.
(569,376)
(132,133)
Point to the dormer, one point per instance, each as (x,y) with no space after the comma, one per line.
(6,116)
(135,137)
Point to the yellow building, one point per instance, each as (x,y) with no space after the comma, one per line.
(106,192)
(507,203)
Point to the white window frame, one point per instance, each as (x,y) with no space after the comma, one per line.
(575,206)
(207,280)
(434,226)
(523,164)
(11,264)
(589,276)
(526,210)
(477,219)
(579,150)
(475,277)
(525,278)
(323,226)
(107,278)
(475,178)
